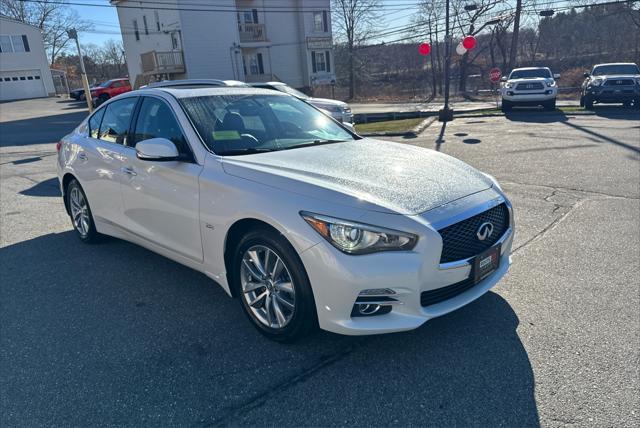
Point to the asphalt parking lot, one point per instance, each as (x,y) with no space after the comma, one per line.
(113,334)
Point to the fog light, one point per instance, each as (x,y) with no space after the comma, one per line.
(509,92)
(368,309)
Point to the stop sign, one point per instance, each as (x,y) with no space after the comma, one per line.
(495,74)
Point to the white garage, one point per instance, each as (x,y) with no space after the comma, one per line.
(21,84)
(24,68)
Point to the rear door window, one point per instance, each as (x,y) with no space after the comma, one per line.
(94,123)
(116,121)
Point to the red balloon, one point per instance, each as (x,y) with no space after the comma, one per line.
(469,42)
(424,49)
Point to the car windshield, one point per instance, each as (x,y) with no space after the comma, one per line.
(246,124)
(602,70)
(105,84)
(524,74)
(296,93)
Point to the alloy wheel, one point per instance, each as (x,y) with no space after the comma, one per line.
(79,211)
(267,286)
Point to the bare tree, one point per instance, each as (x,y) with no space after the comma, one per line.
(53,18)
(355,21)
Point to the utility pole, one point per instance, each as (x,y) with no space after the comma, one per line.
(514,36)
(446,114)
(73,34)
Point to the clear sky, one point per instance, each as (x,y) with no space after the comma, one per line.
(105,19)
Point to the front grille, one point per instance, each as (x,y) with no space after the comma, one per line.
(460,240)
(529,86)
(431,297)
(619,82)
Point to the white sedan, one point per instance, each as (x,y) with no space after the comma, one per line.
(303,221)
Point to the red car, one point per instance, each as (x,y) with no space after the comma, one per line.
(109,89)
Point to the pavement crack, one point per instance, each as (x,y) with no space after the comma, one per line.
(230,414)
(571,189)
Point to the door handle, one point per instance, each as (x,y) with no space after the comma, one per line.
(129,171)
(82,156)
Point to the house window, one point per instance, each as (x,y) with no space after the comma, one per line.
(320,61)
(320,22)
(157,17)
(255,62)
(250,16)
(146,26)
(175,42)
(14,43)
(135,29)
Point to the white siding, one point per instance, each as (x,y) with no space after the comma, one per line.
(26,62)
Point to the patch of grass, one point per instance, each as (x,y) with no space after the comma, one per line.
(402,125)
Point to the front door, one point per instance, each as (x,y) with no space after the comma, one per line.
(161,199)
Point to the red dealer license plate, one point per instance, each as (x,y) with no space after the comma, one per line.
(486,263)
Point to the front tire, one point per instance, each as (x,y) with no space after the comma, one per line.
(550,105)
(102,99)
(588,103)
(80,213)
(506,106)
(273,287)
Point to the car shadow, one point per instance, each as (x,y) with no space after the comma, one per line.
(533,115)
(39,130)
(617,112)
(49,188)
(112,332)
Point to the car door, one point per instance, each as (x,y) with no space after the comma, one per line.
(161,199)
(99,160)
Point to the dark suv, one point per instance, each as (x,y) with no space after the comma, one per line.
(611,83)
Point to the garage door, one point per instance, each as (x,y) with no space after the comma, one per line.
(15,85)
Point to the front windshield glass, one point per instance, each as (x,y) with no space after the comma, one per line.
(245,124)
(105,84)
(602,70)
(296,93)
(524,74)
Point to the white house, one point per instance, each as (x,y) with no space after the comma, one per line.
(24,68)
(248,40)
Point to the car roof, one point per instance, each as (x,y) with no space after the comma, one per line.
(616,63)
(258,84)
(531,68)
(210,91)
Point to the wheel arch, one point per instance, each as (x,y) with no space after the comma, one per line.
(237,230)
(66,179)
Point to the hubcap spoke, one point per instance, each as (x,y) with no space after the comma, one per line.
(251,286)
(279,315)
(284,286)
(255,259)
(277,269)
(252,269)
(285,302)
(256,302)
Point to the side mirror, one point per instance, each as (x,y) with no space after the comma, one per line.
(586,74)
(503,79)
(556,76)
(157,149)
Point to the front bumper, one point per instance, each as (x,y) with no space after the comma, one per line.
(605,94)
(529,97)
(337,279)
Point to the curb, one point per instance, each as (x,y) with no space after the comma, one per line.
(499,114)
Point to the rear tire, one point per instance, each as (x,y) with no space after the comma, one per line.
(506,106)
(272,286)
(581,100)
(80,213)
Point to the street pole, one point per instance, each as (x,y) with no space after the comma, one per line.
(73,34)
(446,114)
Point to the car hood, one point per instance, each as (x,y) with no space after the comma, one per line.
(531,79)
(326,102)
(368,174)
(617,76)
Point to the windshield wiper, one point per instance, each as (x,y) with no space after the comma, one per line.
(318,142)
(245,151)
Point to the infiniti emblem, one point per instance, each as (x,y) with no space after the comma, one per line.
(484,231)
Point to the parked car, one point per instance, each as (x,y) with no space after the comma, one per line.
(530,86)
(78,93)
(611,83)
(303,221)
(338,109)
(193,83)
(109,89)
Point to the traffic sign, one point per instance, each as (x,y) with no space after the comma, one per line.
(495,74)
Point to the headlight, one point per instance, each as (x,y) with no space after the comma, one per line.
(356,238)
(595,82)
(508,85)
(550,84)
